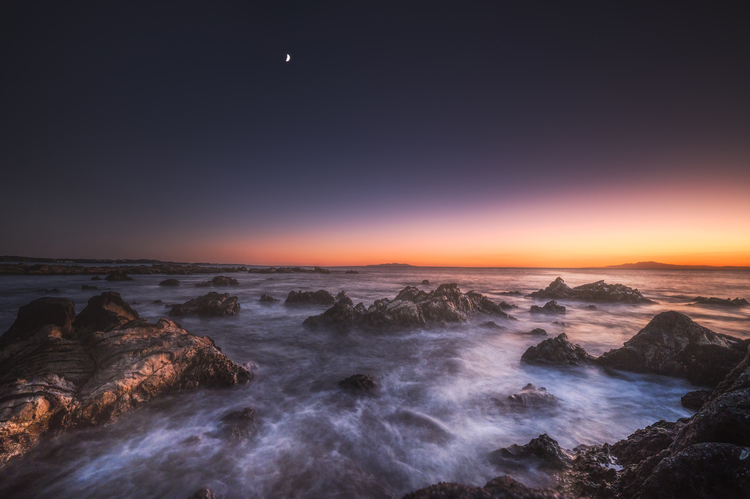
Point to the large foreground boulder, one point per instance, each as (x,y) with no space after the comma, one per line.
(87,371)
(557,351)
(541,452)
(599,292)
(673,345)
(409,308)
(211,305)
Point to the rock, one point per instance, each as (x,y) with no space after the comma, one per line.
(289,270)
(646,443)
(359,383)
(156,302)
(719,302)
(241,424)
(559,323)
(507,306)
(169,282)
(68,373)
(342,295)
(118,275)
(598,292)
(211,305)
(410,307)
(537,331)
(695,399)
(502,487)
(86,287)
(590,307)
(203,494)
(351,272)
(320,297)
(421,425)
(542,451)
(532,396)
(491,325)
(219,280)
(425,282)
(266,298)
(96,278)
(510,293)
(557,351)
(551,307)
(673,345)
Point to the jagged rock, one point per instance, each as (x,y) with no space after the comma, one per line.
(289,270)
(551,307)
(203,494)
(211,305)
(71,373)
(266,298)
(169,282)
(156,302)
(542,451)
(219,280)
(510,293)
(341,295)
(359,383)
(599,292)
(647,442)
(411,307)
(507,306)
(531,397)
(86,287)
(673,345)
(719,302)
(502,487)
(118,275)
(320,297)
(537,331)
(557,351)
(351,272)
(695,399)
(241,424)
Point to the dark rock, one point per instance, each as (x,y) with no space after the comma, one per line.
(103,312)
(695,399)
(342,295)
(359,383)
(507,306)
(542,451)
(491,325)
(421,425)
(532,397)
(673,345)
(85,287)
(590,307)
(510,293)
(559,323)
(289,270)
(537,331)
(551,307)
(203,494)
(425,282)
(719,302)
(599,292)
(60,312)
(646,443)
(320,297)
(118,275)
(211,305)
(96,278)
(169,282)
(502,487)
(219,280)
(266,298)
(557,351)
(156,302)
(241,424)
(351,272)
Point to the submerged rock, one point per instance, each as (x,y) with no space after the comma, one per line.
(410,307)
(211,305)
(599,292)
(551,307)
(537,331)
(736,303)
(491,325)
(169,282)
(359,383)
(695,399)
(118,275)
(240,425)
(532,396)
(266,298)
(673,345)
(542,451)
(59,371)
(96,278)
(557,351)
(510,293)
(320,297)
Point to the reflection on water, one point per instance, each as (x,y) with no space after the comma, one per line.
(435,417)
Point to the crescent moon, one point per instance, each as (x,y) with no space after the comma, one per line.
(288,58)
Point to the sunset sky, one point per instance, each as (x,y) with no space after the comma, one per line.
(547,134)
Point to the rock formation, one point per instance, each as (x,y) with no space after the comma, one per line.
(599,291)
(320,297)
(219,280)
(719,302)
(266,298)
(169,282)
(557,351)
(551,307)
(289,270)
(211,305)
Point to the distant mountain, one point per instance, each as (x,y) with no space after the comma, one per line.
(669,266)
(391,265)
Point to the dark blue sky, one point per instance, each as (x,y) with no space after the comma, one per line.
(129,129)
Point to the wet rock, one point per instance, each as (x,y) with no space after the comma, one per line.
(351,272)
(719,302)
(542,451)
(557,351)
(551,307)
(72,373)
(593,472)
(289,270)
(673,345)
(598,292)
(266,298)
(86,287)
(590,307)
(425,282)
(647,442)
(502,487)
(203,494)
(695,399)
(219,280)
(240,425)
(320,297)
(156,302)
(532,396)
(211,305)
(342,295)
(363,383)
(507,306)
(510,293)
(118,275)
(490,325)
(537,331)
(411,307)
(559,323)
(96,278)
(169,282)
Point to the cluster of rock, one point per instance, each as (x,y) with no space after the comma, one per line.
(219,280)
(157,268)
(720,302)
(596,292)
(118,275)
(320,297)
(61,371)
(211,305)
(557,351)
(409,308)
(289,270)
(266,298)
(351,272)
(551,307)
(502,487)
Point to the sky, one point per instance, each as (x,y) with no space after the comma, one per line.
(542,134)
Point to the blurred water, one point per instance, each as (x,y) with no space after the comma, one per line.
(434,419)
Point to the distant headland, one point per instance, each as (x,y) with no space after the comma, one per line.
(669,266)
(391,265)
